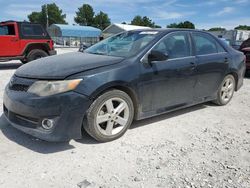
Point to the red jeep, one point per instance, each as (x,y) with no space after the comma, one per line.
(24,41)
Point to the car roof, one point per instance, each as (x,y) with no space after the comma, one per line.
(164,31)
(12,21)
(167,30)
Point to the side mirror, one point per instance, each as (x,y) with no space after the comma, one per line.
(155,55)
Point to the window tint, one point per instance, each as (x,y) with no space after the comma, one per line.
(126,44)
(176,45)
(220,48)
(204,44)
(32,30)
(7,30)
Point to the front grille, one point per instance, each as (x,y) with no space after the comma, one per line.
(20,84)
(19,87)
(18,119)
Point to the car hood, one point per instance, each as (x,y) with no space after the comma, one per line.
(62,66)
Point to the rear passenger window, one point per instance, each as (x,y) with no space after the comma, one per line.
(204,44)
(32,30)
(176,45)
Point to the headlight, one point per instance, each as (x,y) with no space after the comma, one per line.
(46,88)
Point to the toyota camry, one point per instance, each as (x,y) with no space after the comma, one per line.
(130,76)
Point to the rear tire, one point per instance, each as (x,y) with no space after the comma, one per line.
(35,54)
(109,116)
(226,90)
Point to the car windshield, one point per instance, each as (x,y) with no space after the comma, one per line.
(126,44)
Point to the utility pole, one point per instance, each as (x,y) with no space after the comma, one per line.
(47,16)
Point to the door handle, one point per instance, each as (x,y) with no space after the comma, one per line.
(226,60)
(193,65)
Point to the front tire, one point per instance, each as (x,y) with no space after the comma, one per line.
(109,116)
(226,91)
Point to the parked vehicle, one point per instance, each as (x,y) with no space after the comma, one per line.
(245,44)
(245,48)
(246,51)
(24,41)
(84,46)
(234,37)
(109,85)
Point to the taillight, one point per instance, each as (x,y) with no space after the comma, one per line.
(51,44)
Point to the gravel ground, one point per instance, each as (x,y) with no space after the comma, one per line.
(201,146)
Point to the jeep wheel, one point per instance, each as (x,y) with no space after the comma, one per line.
(36,54)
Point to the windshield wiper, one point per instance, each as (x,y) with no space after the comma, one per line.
(96,53)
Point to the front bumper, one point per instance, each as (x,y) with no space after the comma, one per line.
(26,111)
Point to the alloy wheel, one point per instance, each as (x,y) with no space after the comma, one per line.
(112,116)
(227,89)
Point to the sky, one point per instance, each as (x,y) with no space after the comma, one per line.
(203,13)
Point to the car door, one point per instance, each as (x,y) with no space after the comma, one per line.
(212,63)
(10,43)
(169,84)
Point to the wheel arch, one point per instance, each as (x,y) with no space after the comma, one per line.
(32,46)
(122,87)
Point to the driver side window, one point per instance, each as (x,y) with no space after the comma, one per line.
(175,45)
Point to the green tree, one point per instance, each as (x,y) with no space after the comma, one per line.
(34,17)
(186,24)
(147,22)
(144,21)
(101,20)
(242,27)
(173,25)
(157,26)
(85,15)
(55,15)
(217,29)
(137,20)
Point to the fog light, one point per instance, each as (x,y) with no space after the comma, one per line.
(47,123)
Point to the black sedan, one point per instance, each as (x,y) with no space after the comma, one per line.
(132,75)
